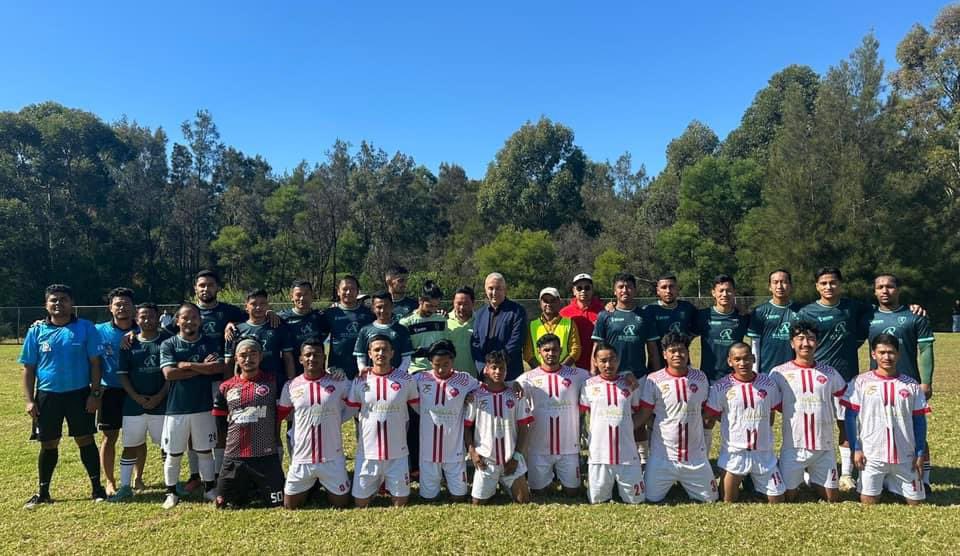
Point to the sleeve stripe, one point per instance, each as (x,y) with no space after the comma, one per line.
(922,340)
(353,404)
(217,412)
(584,408)
(850,405)
(413,401)
(646,404)
(711,411)
(923,411)
(525,420)
(467,423)
(840,392)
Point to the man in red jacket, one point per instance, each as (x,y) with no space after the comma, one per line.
(583,310)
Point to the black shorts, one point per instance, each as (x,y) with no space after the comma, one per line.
(110,416)
(54,407)
(245,479)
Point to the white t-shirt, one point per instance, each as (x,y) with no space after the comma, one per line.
(746,409)
(383,401)
(886,407)
(441,415)
(808,412)
(611,404)
(319,409)
(495,417)
(677,403)
(555,397)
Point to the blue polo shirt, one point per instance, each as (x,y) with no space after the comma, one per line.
(61,354)
(111,337)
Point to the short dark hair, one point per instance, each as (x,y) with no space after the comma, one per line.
(313,342)
(257,292)
(783,270)
(119,292)
(207,274)
(548,339)
(495,356)
(604,346)
(667,276)
(302,284)
(468,291)
(384,295)
(442,347)
(149,305)
(674,339)
(803,327)
(827,270)
(346,277)
(58,288)
(896,281)
(189,304)
(380,338)
(625,277)
(739,345)
(886,340)
(430,290)
(723,279)
(396,270)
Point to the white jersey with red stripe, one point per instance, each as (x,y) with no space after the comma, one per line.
(382,401)
(611,404)
(886,406)
(319,408)
(555,398)
(495,417)
(677,404)
(809,417)
(745,408)
(441,415)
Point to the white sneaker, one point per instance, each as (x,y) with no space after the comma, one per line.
(847,483)
(210,495)
(170,501)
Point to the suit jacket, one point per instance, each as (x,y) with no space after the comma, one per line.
(510,327)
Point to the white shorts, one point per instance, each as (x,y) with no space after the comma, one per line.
(898,478)
(485,480)
(196,430)
(601,478)
(695,478)
(331,474)
(432,473)
(761,466)
(839,409)
(820,464)
(541,470)
(136,427)
(369,473)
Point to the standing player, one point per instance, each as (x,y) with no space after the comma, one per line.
(771,322)
(61,380)
(612,404)
(674,397)
(345,320)
(808,389)
(276,357)
(248,402)
(916,339)
(302,320)
(583,310)
(146,400)
(191,362)
(886,423)
(670,313)
(396,281)
(318,402)
(385,325)
(746,401)
(443,392)
(719,327)
(426,325)
(497,431)
(382,396)
(554,392)
(628,330)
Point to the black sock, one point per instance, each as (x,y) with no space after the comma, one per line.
(207,485)
(46,463)
(91,462)
(194,477)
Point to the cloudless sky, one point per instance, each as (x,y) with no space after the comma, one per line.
(442,81)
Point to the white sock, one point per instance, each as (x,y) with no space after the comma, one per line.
(126,471)
(707,440)
(192,459)
(217,460)
(846,463)
(205,464)
(643,448)
(171,470)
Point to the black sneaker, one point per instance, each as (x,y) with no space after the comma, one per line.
(36,500)
(927,490)
(98,494)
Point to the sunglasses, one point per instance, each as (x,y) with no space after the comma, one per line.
(583,288)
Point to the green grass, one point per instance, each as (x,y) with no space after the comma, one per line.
(75,525)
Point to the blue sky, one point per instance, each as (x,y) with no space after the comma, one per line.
(441,81)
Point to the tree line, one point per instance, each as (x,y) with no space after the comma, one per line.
(858,168)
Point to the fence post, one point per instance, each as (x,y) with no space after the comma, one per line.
(18,326)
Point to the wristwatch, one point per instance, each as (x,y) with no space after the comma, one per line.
(96,393)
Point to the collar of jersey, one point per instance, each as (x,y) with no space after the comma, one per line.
(885,377)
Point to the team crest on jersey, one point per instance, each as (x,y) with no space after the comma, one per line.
(625,393)
(330,388)
(395,386)
(427,387)
(453,392)
(822,379)
(45,347)
(510,404)
(762,393)
(693,387)
(904,393)
(262,389)
(901,320)
(566,382)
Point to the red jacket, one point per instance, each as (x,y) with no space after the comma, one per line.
(584,319)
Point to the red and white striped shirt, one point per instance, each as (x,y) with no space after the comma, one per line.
(555,398)
(441,415)
(677,403)
(746,408)
(495,417)
(611,404)
(886,406)
(319,409)
(383,401)
(809,417)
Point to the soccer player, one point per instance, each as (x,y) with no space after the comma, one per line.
(670,313)
(628,330)
(745,401)
(583,310)
(612,405)
(886,424)
(345,320)
(303,321)
(771,322)
(674,396)
(110,415)
(318,402)
(382,396)
(497,431)
(396,281)
(426,325)
(808,389)
(385,325)
(276,357)
(191,362)
(61,381)
(442,392)
(916,339)
(550,321)
(554,392)
(146,400)
(719,327)
(248,402)
(460,329)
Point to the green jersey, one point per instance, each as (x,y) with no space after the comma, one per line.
(301,328)
(194,394)
(274,342)
(460,334)
(912,330)
(344,325)
(403,307)
(718,331)
(141,365)
(399,337)
(769,330)
(628,331)
(841,328)
(424,331)
(215,321)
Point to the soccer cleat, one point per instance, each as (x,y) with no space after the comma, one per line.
(99,494)
(170,501)
(847,484)
(36,500)
(189,487)
(210,495)
(123,494)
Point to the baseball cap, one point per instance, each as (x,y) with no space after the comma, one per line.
(582,276)
(551,291)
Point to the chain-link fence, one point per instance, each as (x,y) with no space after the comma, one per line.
(14,321)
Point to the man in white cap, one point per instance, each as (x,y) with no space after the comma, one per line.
(583,309)
(550,322)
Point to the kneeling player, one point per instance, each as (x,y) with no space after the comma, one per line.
(746,401)
(317,400)
(382,395)
(889,445)
(674,396)
(498,422)
(251,468)
(612,404)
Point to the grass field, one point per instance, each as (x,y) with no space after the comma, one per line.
(75,525)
